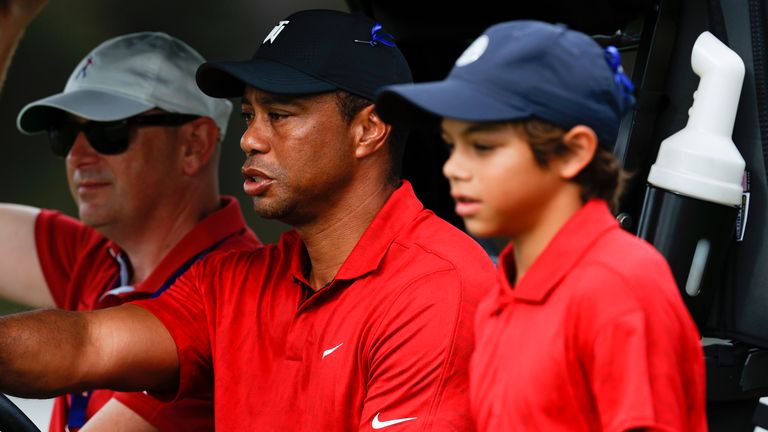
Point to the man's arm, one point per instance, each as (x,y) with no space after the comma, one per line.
(51,352)
(21,276)
(15,16)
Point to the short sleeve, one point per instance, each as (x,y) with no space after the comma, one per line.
(182,310)
(62,242)
(639,347)
(619,373)
(419,359)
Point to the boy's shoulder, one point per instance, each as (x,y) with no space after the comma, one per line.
(621,275)
(626,252)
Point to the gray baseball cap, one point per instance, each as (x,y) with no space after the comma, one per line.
(126,76)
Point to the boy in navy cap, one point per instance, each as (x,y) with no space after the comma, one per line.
(585,329)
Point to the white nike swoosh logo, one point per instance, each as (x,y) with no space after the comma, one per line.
(377,424)
(330,351)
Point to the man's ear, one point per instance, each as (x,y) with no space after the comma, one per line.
(370,131)
(199,140)
(582,144)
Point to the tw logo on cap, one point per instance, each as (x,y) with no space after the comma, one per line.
(275,31)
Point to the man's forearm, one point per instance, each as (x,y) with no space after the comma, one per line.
(51,352)
(39,352)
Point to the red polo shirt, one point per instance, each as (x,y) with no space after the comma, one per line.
(594,337)
(386,344)
(83,272)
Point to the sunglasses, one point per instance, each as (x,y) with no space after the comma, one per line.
(108,138)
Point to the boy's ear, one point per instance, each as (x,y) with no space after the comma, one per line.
(582,144)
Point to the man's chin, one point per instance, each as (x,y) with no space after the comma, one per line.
(269,213)
(281,212)
(94,218)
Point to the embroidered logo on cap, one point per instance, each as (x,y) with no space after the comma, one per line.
(623,83)
(378,36)
(275,31)
(81,72)
(473,52)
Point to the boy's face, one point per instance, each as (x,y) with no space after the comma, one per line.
(498,187)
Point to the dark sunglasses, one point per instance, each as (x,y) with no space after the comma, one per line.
(108,138)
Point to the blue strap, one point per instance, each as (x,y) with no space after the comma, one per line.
(184,267)
(77,406)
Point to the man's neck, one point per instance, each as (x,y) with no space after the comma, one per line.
(148,241)
(331,238)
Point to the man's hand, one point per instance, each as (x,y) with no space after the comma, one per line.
(15,16)
(18,13)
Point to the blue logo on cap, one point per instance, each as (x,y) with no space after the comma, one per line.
(622,81)
(378,36)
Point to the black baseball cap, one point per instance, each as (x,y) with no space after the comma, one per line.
(313,51)
(521,70)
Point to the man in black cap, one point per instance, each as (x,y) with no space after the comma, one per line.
(359,319)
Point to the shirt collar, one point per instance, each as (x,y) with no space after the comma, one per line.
(562,254)
(399,210)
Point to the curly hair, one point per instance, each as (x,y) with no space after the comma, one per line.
(602,178)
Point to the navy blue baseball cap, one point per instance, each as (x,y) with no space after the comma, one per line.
(521,70)
(313,51)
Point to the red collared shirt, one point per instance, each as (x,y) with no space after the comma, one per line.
(385,345)
(595,336)
(83,272)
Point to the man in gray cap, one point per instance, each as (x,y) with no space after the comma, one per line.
(140,143)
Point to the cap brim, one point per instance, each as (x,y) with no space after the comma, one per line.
(227,79)
(416,104)
(89,104)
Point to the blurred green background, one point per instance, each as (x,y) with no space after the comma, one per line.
(65,31)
